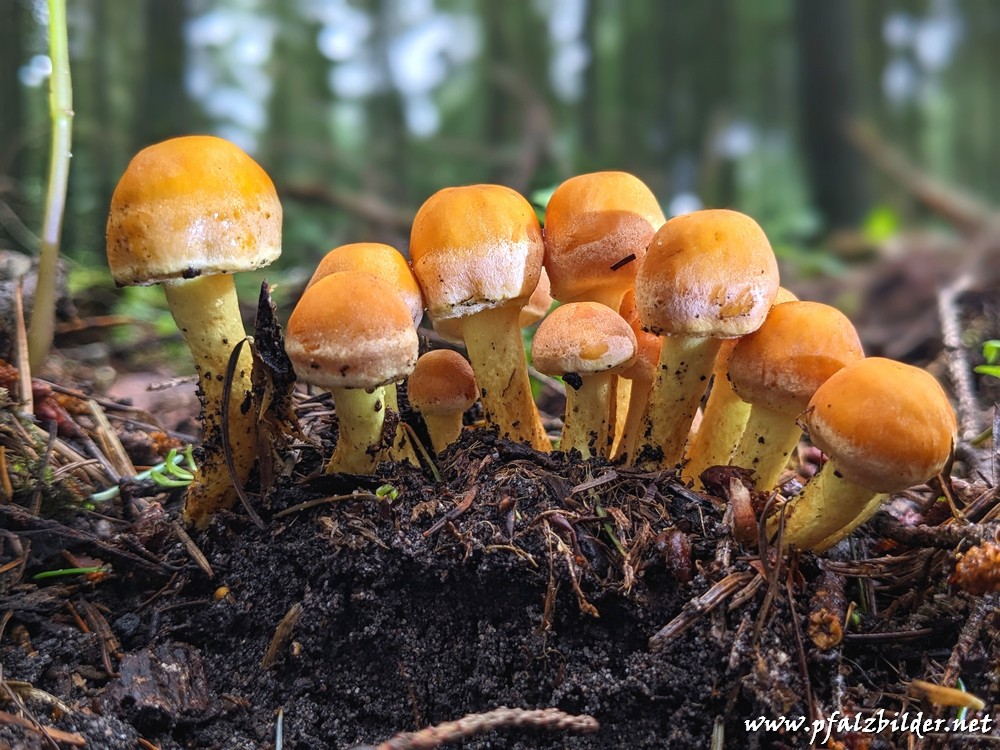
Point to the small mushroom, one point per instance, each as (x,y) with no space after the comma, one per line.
(387,263)
(352,334)
(886,426)
(188,213)
(707,276)
(442,387)
(588,344)
(477,253)
(777,369)
(597,229)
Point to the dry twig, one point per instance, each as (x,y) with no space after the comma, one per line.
(550,719)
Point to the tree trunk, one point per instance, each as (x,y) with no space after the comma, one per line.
(828,84)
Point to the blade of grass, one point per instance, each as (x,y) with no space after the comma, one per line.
(42,327)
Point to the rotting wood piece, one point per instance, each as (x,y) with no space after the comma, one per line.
(161,686)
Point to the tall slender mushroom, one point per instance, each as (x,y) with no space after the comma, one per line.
(477,253)
(597,229)
(725,415)
(188,213)
(352,334)
(776,369)
(885,426)
(588,344)
(707,276)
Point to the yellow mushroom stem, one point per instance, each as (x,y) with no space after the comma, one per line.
(623,397)
(611,295)
(207,313)
(767,442)
(589,420)
(828,509)
(870,509)
(360,418)
(496,353)
(639,389)
(722,424)
(684,366)
(443,427)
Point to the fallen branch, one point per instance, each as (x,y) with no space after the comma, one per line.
(550,719)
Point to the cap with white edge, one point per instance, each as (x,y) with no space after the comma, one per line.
(710,273)
(594,343)
(190,206)
(597,228)
(474,248)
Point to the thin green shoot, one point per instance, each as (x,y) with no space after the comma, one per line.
(991,353)
(42,327)
(70,572)
(601,513)
(387,492)
(168,473)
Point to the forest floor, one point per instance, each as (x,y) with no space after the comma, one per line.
(359,608)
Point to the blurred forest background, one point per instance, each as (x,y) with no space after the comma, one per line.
(790,110)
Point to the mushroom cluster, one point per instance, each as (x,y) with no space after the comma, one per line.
(654,319)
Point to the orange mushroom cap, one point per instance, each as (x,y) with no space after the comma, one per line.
(475,248)
(597,228)
(583,338)
(190,206)
(442,383)
(709,273)
(888,425)
(351,330)
(380,260)
(799,346)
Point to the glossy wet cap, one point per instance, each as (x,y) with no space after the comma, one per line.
(190,206)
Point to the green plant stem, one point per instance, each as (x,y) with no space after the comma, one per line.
(69,572)
(42,327)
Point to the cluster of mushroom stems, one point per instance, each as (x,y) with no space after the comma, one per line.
(657,321)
